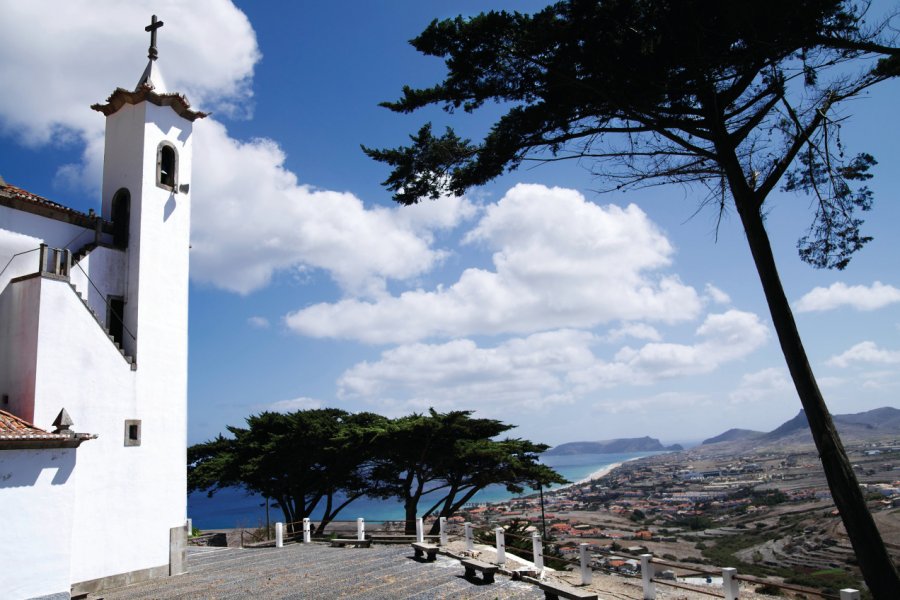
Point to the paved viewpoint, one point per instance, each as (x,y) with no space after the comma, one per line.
(319,571)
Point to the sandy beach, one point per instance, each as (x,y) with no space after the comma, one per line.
(604,471)
(600,473)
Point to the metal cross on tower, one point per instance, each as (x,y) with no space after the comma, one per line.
(152,27)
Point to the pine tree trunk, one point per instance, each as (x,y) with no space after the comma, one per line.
(410,506)
(877,568)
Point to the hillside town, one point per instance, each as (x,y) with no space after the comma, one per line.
(766,511)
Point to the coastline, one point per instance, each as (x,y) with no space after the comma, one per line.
(604,471)
(600,473)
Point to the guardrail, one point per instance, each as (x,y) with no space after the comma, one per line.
(301,532)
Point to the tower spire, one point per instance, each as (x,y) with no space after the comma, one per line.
(152,27)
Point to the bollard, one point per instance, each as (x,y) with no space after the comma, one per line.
(537,547)
(849,594)
(647,573)
(190,527)
(730,583)
(307,535)
(360,529)
(443,522)
(470,546)
(279,535)
(501,546)
(420,530)
(586,573)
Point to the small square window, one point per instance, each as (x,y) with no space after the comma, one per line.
(133,432)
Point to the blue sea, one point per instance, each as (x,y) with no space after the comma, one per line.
(234,507)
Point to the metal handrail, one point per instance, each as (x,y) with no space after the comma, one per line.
(106,302)
(14,256)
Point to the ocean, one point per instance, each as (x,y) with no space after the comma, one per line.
(233,507)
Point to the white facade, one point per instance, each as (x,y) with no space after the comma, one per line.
(101,513)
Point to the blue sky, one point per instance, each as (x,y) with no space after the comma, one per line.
(571,314)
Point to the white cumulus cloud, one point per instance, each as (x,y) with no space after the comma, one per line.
(765,385)
(722,338)
(69,55)
(294,404)
(539,370)
(714,294)
(838,294)
(252,218)
(865,352)
(559,261)
(258,322)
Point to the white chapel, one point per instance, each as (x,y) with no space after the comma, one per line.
(93,361)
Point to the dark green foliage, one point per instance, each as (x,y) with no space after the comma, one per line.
(767,498)
(734,98)
(298,459)
(834,234)
(446,458)
(626,84)
(830,581)
(695,523)
(329,457)
(769,590)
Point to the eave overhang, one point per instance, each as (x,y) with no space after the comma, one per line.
(145,93)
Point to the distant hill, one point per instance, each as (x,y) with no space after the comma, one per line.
(734,435)
(874,423)
(616,446)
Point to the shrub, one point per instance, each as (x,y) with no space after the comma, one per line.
(769,590)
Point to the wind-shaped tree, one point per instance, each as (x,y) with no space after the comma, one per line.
(734,98)
(446,458)
(302,460)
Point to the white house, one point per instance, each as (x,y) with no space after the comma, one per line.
(93,338)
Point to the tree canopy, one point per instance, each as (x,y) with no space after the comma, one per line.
(327,458)
(731,98)
(444,459)
(302,460)
(699,92)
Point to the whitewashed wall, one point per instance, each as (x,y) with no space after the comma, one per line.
(19,315)
(125,499)
(106,269)
(39,484)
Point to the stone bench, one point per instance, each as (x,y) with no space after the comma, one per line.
(555,591)
(421,549)
(350,542)
(487,570)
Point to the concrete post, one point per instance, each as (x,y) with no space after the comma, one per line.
(360,529)
(279,535)
(420,530)
(443,522)
(470,546)
(849,594)
(307,535)
(67,262)
(586,573)
(537,548)
(190,527)
(501,545)
(178,550)
(729,583)
(647,573)
(42,258)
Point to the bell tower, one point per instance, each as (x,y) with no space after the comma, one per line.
(136,479)
(146,194)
